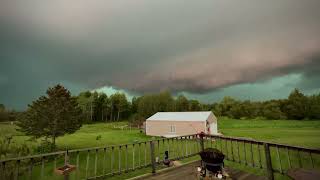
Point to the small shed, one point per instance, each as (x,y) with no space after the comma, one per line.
(172,124)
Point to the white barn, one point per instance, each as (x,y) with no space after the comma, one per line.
(172,124)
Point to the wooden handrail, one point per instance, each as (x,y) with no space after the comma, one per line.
(317,151)
(179,151)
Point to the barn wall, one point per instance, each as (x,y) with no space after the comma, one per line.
(162,128)
(213,124)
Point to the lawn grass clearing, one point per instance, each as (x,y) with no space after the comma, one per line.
(291,132)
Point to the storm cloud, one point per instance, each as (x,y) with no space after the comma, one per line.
(148,46)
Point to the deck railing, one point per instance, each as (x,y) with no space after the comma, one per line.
(273,159)
(101,162)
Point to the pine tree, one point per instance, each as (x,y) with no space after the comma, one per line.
(52,116)
(297,105)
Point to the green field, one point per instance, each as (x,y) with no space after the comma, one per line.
(292,132)
(302,133)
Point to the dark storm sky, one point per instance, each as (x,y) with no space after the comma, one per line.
(205,49)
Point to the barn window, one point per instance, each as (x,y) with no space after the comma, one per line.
(172,128)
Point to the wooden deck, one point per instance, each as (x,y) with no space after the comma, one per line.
(188,172)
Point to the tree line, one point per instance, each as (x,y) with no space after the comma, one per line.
(58,112)
(7,115)
(100,107)
(297,106)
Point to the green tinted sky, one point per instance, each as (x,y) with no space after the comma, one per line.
(206,49)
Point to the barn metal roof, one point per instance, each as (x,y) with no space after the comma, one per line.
(180,116)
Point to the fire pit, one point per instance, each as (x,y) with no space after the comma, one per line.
(212,160)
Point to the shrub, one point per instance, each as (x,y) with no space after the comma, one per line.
(98,137)
(44,147)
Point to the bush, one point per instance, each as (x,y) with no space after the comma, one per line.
(8,149)
(44,147)
(98,137)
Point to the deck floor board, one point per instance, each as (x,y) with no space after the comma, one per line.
(188,172)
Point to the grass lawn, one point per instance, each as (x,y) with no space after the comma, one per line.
(291,132)
(84,138)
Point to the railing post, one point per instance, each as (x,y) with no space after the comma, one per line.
(3,171)
(268,161)
(66,161)
(201,141)
(153,160)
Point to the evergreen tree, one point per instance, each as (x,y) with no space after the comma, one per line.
(314,107)
(296,105)
(182,103)
(52,116)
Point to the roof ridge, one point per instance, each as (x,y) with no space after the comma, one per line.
(181,116)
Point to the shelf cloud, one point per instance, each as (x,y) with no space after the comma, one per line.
(148,46)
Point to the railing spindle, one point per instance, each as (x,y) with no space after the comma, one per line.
(163,147)
(158,149)
(173,149)
(42,167)
(77,165)
(176,148)
(104,160)
(168,147)
(239,160)
(145,153)
(226,146)
(194,148)
(30,168)
(180,147)
(232,151)
(96,163)
(278,155)
(87,164)
(268,162)
(190,145)
(127,168)
(186,144)
(133,149)
(259,153)
(152,157)
(3,170)
(215,142)
(119,159)
(187,140)
(197,143)
(251,151)
(288,157)
(17,170)
(311,159)
(299,157)
(245,153)
(112,159)
(139,155)
(55,162)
